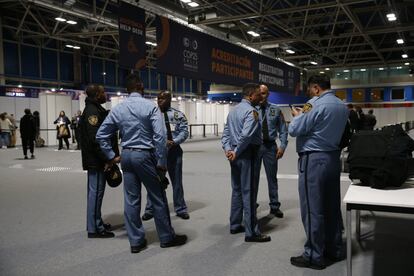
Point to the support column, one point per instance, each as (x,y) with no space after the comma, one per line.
(2,78)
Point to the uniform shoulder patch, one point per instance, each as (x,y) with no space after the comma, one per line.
(255,115)
(93,120)
(176,115)
(307,107)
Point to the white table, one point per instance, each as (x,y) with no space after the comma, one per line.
(394,200)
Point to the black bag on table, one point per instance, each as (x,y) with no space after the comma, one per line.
(380,158)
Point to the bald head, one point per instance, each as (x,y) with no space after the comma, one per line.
(264,91)
(164,100)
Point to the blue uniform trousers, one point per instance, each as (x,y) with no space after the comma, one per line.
(139,166)
(267,153)
(175,171)
(320,204)
(243,198)
(96,190)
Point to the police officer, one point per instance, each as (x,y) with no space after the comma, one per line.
(273,123)
(318,128)
(241,140)
(173,119)
(93,160)
(144,159)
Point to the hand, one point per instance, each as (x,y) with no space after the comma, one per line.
(296,111)
(231,155)
(170,143)
(111,162)
(279,153)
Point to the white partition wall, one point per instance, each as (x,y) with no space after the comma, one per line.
(50,107)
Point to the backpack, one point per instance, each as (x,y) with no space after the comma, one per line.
(380,158)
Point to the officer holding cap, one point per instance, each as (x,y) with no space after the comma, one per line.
(319,127)
(93,159)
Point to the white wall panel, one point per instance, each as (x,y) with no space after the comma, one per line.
(7,104)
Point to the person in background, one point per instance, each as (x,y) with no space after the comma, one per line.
(177,132)
(75,129)
(369,121)
(94,160)
(28,132)
(5,130)
(63,132)
(353,118)
(12,131)
(36,117)
(361,118)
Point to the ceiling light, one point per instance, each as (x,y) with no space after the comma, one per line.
(399,67)
(53,89)
(20,86)
(193,4)
(179,98)
(234,94)
(60,19)
(346,78)
(404,56)
(313,63)
(327,69)
(194,99)
(61,89)
(76,47)
(118,93)
(69,46)
(226,25)
(104,73)
(381,69)
(400,41)
(71,22)
(363,70)
(391,14)
(338,74)
(185,1)
(321,72)
(290,51)
(253,33)
(208,100)
(407,63)
(346,71)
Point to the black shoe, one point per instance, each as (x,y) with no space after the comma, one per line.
(147,216)
(260,238)
(107,226)
(276,212)
(177,241)
(25,157)
(239,229)
(101,235)
(59,148)
(139,248)
(32,156)
(300,261)
(335,259)
(183,215)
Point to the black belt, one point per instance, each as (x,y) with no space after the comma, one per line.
(307,152)
(267,142)
(138,149)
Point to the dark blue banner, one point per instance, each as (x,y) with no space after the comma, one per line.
(132,48)
(186,52)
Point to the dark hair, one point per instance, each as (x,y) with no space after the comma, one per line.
(323,81)
(370,111)
(36,113)
(3,116)
(350,105)
(92,90)
(132,81)
(249,88)
(64,114)
(27,111)
(165,92)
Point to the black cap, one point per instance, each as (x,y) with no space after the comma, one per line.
(113,176)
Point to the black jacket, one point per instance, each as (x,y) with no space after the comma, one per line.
(28,127)
(92,117)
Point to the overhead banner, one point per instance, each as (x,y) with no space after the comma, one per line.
(132,47)
(193,54)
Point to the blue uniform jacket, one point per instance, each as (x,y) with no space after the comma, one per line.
(276,124)
(140,124)
(179,125)
(242,128)
(320,128)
